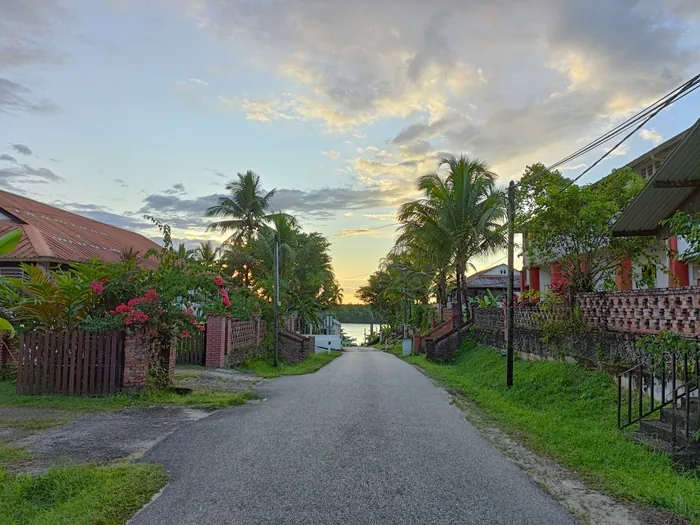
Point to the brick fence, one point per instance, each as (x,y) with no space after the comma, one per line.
(231,342)
(294,347)
(644,311)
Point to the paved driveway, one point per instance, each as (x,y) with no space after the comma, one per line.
(366,440)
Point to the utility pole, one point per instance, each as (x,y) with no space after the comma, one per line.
(277,298)
(405,311)
(510,305)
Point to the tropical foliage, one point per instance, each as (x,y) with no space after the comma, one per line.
(687,225)
(570,224)
(458,220)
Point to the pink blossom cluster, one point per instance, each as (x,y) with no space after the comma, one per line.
(222,291)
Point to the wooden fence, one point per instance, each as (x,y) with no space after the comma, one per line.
(73,363)
(192,351)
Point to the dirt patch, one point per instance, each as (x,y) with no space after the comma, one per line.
(104,436)
(218,380)
(589,505)
(17,423)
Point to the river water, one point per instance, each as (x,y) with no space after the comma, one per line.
(358,330)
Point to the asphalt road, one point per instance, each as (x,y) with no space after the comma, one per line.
(366,440)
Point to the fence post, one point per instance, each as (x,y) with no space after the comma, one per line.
(136,355)
(216,341)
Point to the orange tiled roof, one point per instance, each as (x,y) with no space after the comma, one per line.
(52,234)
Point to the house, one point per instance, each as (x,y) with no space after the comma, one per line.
(673,186)
(669,166)
(494,279)
(55,238)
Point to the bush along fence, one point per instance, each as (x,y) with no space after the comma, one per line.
(84,363)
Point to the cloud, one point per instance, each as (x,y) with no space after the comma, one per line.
(620,151)
(198,81)
(332,154)
(122,183)
(562,71)
(7,158)
(106,215)
(177,189)
(348,214)
(14,177)
(572,167)
(186,214)
(217,173)
(357,232)
(22,149)
(335,199)
(379,216)
(15,97)
(652,135)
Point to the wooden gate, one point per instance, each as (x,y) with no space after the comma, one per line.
(74,363)
(192,351)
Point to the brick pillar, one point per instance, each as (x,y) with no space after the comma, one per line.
(623,275)
(535,278)
(679,274)
(172,358)
(136,355)
(416,344)
(216,341)
(456,316)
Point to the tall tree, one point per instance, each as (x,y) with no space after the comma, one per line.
(570,224)
(460,218)
(244,211)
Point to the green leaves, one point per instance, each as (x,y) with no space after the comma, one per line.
(688,226)
(5,326)
(9,241)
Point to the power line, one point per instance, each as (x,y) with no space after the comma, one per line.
(372,229)
(644,116)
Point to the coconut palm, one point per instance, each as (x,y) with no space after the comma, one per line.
(206,253)
(460,218)
(244,211)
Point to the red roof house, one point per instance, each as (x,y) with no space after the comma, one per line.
(54,237)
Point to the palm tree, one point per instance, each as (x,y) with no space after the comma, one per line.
(244,211)
(206,253)
(460,218)
(183,253)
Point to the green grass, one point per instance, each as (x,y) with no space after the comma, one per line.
(186,376)
(569,414)
(265,368)
(393,348)
(190,367)
(34,424)
(10,456)
(206,400)
(84,495)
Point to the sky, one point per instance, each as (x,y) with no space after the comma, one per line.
(119,108)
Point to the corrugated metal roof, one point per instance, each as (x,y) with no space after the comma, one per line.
(53,234)
(652,205)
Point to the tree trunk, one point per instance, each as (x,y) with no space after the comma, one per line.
(459,294)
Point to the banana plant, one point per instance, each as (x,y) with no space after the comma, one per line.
(8,243)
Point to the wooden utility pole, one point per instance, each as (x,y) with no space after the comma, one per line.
(510,305)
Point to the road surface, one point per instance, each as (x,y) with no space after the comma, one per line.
(366,440)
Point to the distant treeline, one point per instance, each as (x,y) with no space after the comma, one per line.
(355,313)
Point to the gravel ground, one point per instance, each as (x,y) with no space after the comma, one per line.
(367,439)
(218,380)
(104,436)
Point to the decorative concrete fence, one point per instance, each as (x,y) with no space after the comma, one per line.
(644,311)
(230,342)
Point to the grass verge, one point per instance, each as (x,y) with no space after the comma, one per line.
(206,400)
(569,414)
(265,368)
(393,348)
(84,495)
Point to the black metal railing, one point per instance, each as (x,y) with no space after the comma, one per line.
(676,389)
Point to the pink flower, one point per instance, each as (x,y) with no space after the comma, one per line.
(185,334)
(223,292)
(201,327)
(133,302)
(218,281)
(226,302)
(112,312)
(142,317)
(123,309)
(97,287)
(128,320)
(151,295)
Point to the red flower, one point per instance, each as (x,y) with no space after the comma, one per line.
(104,281)
(142,318)
(97,287)
(152,332)
(185,334)
(223,292)
(128,320)
(189,311)
(112,312)
(151,295)
(133,302)
(201,327)
(218,281)
(123,309)
(226,302)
